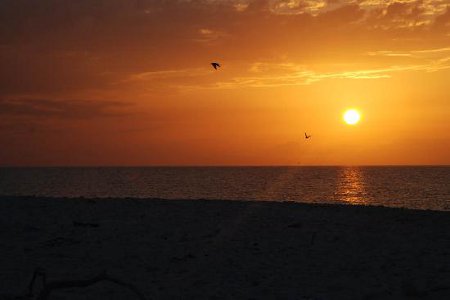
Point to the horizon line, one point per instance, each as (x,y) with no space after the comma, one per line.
(220,166)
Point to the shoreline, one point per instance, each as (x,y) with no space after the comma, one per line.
(222,249)
(200,200)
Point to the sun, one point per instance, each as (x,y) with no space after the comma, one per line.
(351,116)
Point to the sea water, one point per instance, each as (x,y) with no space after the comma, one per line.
(409,187)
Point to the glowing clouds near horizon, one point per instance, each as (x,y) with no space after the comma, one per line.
(351,117)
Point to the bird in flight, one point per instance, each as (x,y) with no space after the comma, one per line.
(215,65)
(307,136)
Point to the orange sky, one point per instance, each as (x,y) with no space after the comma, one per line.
(123,82)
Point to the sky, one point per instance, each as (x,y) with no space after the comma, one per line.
(129,82)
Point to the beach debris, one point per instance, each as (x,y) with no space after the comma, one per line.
(50,286)
(295,225)
(313,238)
(412,288)
(31,228)
(82,224)
(151,269)
(39,272)
(212,234)
(61,241)
(184,257)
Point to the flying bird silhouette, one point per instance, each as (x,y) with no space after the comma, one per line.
(307,136)
(215,65)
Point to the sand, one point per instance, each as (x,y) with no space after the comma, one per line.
(180,249)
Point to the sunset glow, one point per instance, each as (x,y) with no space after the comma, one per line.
(131,82)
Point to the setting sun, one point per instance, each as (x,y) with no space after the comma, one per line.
(112,84)
(351,116)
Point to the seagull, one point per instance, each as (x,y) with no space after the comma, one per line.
(215,65)
(307,136)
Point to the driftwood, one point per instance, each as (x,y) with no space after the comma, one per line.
(295,225)
(50,286)
(313,238)
(82,224)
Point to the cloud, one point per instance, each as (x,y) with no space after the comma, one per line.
(430,60)
(262,74)
(69,46)
(407,14)
(286,74)
(169,74)
(276,74)
(209,36)
(298,76)
(62,109)
(241,6)
(379,13)
(443,21)
(437,53)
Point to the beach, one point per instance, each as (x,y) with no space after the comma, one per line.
(211,249)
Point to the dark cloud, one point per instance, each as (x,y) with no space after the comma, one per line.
(63,109)
(443,21)
(344,15)
(402,14)
(62,46)
(127,24)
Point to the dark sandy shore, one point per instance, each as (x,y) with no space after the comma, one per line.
(223,249)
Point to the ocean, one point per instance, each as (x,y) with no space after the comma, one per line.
(409,187)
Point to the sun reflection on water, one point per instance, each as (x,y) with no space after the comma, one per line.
(350,186)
